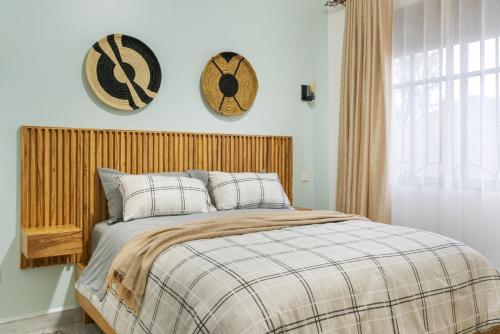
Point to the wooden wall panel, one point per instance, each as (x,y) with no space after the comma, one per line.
(60,184)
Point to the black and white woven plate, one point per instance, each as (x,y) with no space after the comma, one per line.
(123,72)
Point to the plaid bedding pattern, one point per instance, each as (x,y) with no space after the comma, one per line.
(350,277)
(153,195)
(247,191)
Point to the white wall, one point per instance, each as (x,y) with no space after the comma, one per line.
(43,47)
(336,22)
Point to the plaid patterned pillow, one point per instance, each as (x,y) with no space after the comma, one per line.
(151,195)
(247,191)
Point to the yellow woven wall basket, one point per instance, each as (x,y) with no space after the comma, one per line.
(229,84)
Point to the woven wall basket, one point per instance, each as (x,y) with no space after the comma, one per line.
(123,72)
(229,84)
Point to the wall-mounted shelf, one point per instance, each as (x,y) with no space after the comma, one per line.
(41,242)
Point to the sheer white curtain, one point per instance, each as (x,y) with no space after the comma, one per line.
(445,138)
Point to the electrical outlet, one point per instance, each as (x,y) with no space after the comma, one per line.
(306,176)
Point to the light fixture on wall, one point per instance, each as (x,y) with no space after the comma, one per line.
(335,3)
(309,92)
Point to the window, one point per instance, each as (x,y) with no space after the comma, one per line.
(446,120)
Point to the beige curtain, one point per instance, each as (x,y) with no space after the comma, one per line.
(362,181)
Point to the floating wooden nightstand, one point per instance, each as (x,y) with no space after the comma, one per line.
(40,242)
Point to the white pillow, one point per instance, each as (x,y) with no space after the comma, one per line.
(152,195)
(247,191)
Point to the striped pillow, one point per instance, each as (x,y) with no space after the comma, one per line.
(152,195)
(247,191)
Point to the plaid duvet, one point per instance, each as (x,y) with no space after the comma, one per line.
(349,277)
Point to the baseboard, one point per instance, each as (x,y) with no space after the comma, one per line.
(51,311)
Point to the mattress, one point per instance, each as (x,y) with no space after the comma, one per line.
(347,277)
(98,232)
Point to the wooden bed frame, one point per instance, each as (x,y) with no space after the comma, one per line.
(62,198)
(61,195)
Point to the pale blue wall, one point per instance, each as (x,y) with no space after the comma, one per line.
(42,50)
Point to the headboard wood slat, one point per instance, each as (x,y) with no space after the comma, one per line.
(60,183)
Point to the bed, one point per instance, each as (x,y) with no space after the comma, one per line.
(352,276)
(347,277)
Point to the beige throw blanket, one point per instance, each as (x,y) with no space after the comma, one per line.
(129,270)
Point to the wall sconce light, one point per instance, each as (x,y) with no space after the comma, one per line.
(309,92)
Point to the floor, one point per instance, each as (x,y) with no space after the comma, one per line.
(67,322)
(74,329)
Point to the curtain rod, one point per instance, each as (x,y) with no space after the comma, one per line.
(335,3)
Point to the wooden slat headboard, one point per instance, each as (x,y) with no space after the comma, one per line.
(60,184)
